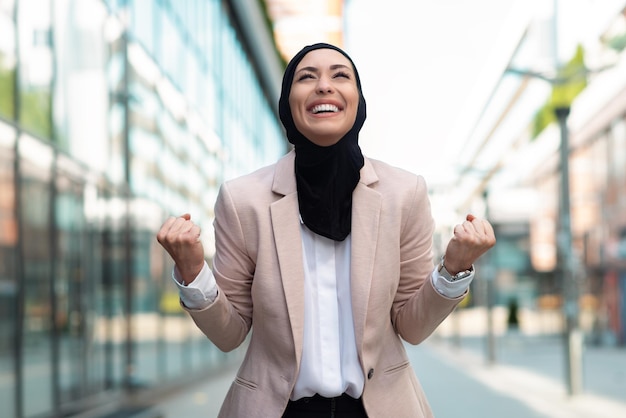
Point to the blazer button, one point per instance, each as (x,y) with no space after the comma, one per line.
(370,374)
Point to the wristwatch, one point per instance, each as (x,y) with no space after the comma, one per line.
(453,278)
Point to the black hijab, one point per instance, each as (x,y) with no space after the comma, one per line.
(325,176)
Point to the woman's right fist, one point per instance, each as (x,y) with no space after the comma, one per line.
(181,239)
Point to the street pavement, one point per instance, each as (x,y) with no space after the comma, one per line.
(526,381)
(531,371)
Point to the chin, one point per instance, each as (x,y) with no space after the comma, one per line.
(325,141)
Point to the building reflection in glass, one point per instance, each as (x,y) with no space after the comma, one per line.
(113,116)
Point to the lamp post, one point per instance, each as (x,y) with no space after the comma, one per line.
(573,335)
(489,273)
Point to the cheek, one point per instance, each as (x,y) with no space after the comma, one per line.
(294,111)
(354,101)
(354,108)
(297,96)
(291,100)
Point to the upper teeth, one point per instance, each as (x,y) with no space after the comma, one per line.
(325,108)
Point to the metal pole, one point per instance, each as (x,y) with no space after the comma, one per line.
(573,338)
(489,278)
(18,209)
(491,337)
(129,354)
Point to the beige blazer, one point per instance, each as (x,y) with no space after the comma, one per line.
(259,272)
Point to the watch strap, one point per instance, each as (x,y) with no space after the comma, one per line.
(443,272)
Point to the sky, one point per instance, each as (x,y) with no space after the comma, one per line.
(427,72)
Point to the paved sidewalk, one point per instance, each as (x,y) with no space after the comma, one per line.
(534,385)
(453,390)
(200,401)
(457,383)
(603,367)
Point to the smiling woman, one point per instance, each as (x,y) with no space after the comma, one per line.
(330,255)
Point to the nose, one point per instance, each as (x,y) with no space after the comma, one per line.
(324,85)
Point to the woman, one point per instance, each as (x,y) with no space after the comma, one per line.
(328,256)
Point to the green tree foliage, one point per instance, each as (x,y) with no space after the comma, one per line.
(570,81)
(7,78)
(34,104)
(618,42)
(35,108)
(35,111)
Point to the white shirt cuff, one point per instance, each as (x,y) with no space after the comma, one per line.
(201,292)
(451,289)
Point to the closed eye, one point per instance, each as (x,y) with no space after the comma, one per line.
(342,74)
(304,76)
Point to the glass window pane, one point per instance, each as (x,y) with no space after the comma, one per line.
(71,288)
(113,327)
(8,280)
(172,49)
(80,91)
(148,279)
(143,18)
(37,368)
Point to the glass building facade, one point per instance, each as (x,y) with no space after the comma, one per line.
(113,116)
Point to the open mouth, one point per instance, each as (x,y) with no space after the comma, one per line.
(324,108)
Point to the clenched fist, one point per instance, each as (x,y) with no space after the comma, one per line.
(181,239)
(471,239)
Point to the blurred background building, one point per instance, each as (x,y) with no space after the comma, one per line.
(514,170)
(115,114)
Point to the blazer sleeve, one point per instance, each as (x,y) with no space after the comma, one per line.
(418,308)
(227,321)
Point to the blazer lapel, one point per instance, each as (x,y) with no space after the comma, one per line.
(366,206)
(286,226)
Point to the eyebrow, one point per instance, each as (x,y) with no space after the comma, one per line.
(332,67)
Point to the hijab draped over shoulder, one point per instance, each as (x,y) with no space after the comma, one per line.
(325,176)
